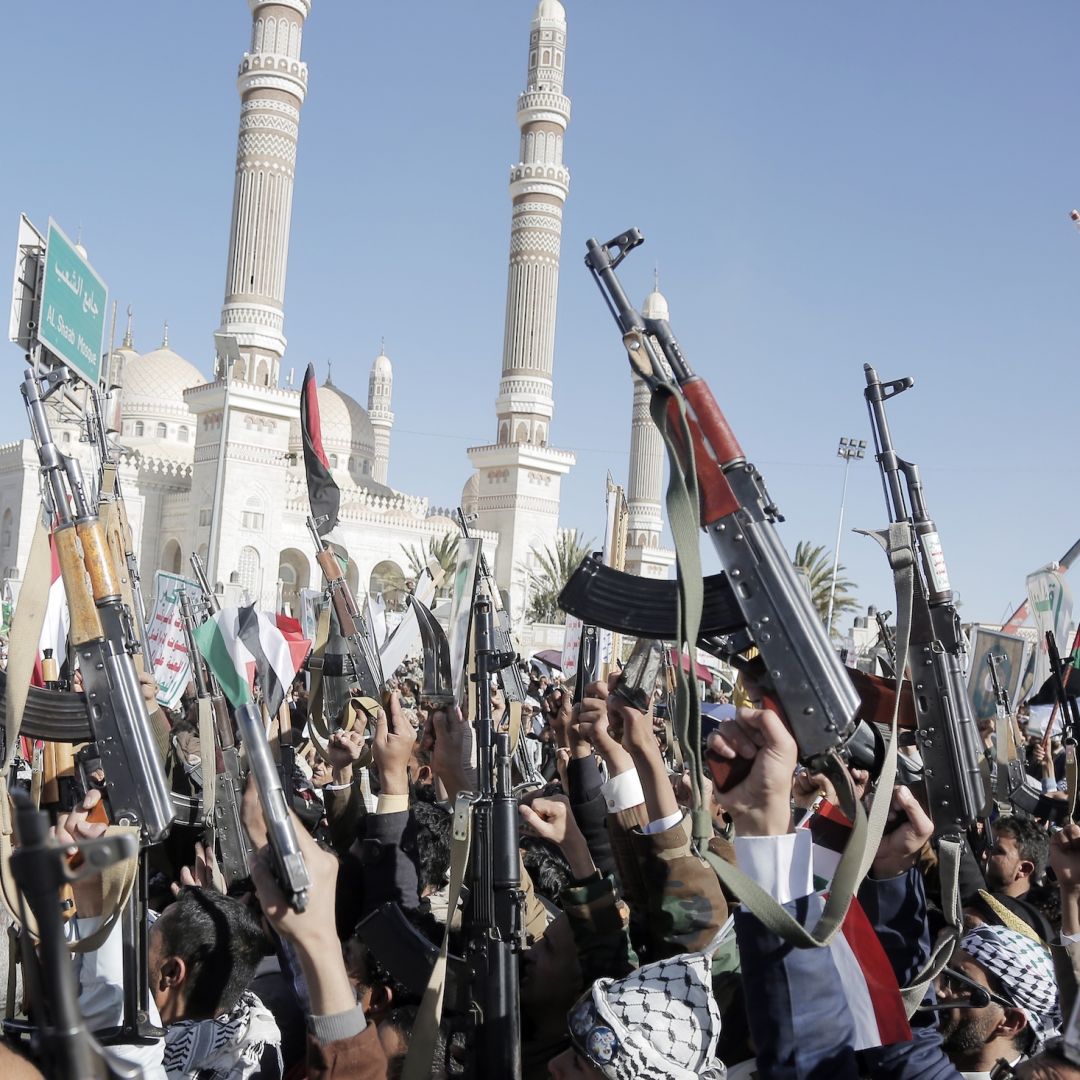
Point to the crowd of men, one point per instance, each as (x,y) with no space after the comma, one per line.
(638,962)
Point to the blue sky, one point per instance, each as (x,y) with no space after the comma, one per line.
(821,185)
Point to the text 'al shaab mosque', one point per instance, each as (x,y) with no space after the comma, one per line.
(215,466)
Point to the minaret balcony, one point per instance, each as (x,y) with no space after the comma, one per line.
(543,105)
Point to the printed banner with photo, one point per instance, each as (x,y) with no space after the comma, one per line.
(168,650)
(1051,609)
(980,686)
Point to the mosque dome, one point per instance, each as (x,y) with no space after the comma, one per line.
(347,435)
(152,403)
(655,306)
(550,9)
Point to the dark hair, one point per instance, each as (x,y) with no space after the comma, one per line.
(428,835)
(220,943)
(547,866)
(1031,841)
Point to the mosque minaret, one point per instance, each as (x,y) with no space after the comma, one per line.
(273,84)
(516,489)
(644,554)
(380,390)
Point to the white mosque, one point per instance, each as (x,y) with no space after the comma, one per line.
(214,466)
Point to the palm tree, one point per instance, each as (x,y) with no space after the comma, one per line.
(548,570)
(443,551)
(816,564)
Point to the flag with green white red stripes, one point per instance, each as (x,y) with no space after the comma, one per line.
(239,643)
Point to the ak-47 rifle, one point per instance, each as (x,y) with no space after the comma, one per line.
(800,669)
(493,922)
(364,656)
(1012,785)
(512,679)
(955,771)
(113,511)
(210,600)
(40,866)
(232,839)
(288,861)
(102,634)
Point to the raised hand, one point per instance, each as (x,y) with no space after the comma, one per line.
(392,748)
(760,803)
(900,846)
(551,818)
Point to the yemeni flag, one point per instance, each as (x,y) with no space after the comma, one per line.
(54,627)
(240,645)
(323,495)
(866,976)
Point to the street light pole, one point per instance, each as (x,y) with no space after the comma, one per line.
(848,449)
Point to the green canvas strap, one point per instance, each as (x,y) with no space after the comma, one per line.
(682,505)
(949,852)
(418,1060)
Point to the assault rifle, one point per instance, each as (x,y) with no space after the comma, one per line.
(955,772)
(512,679)
(288,862)
(40,866)
(102,635)
(1012,785)
(364,656)
(227,827)
(800,667)
(493,921)
(210,600)
(113,511)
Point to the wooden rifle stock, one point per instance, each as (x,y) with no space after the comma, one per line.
(85,620)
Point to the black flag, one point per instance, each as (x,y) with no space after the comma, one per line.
(323,495)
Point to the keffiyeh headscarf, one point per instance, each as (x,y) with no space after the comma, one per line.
(1025,971)
(229,1047)
(659,1023)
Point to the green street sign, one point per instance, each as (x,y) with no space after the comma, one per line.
(73,303)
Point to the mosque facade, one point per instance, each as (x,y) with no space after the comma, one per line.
(214,466)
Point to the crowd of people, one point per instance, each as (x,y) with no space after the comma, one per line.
(637,962)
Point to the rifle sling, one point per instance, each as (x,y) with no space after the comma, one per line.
(421,1052)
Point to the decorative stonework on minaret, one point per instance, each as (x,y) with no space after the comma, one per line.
(518,476)
(272,84)
(243,418)
(644,554)
(380,391)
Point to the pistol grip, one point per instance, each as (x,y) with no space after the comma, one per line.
(727,772)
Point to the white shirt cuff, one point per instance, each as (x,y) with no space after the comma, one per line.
(623,791)
(663,824)
(1069,939)
(782,865)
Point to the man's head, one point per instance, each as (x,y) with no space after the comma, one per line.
(1018,977)
(608,1038)
(202,955)
(1018,858)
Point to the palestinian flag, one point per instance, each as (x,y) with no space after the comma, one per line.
(866,976)
(323,494)
(240,645)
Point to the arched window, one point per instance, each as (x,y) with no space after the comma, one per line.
(253,517)
(333,461)
(182,433)
(162,431)
(65,436)
(5,530)
(138,429)
(248,570)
